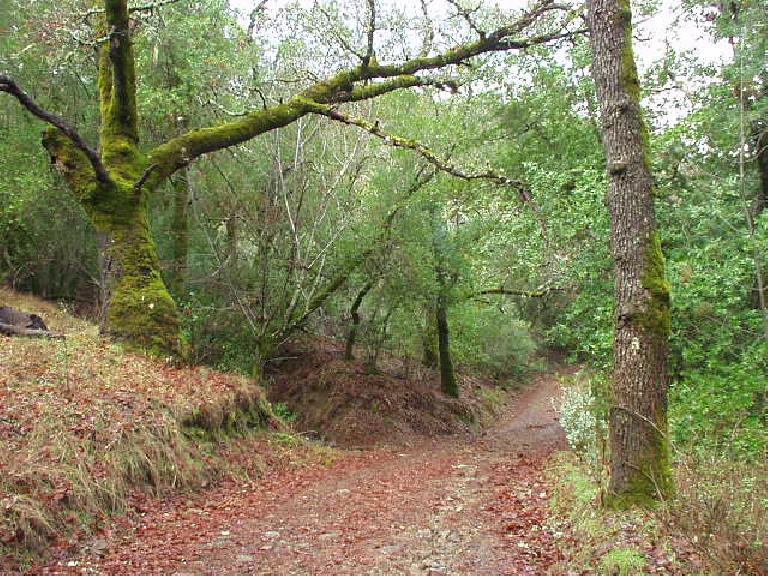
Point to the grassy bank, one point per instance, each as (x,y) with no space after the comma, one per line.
(717,523)
(84,426)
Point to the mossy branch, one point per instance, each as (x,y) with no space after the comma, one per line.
(500,40)
(353,85)
(541,293)
(7,84)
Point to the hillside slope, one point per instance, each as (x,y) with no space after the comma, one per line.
(84,424)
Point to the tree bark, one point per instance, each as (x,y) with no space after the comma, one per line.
(354,312)
(448,383)
(639,456)
(758,207)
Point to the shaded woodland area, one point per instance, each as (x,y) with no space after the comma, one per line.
(407,211)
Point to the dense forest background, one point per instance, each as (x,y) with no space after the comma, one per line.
(462,221)
(323,228)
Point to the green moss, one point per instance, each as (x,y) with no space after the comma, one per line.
(622,562)
(656,319)
(73,164)
(117,76)
(169,157)
(123,159)
(652,479)
(142,312)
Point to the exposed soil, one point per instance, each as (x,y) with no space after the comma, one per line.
(348,404)
(453,505)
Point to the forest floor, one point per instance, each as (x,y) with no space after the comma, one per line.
(452,505)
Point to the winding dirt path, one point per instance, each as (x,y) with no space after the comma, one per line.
(450,506)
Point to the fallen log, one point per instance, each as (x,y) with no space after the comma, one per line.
(15,322)
(11,330)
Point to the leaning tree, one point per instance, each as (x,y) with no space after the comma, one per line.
(115,179)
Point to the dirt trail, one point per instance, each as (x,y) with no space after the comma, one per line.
(450,506)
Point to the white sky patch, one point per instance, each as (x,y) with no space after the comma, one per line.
(669,29)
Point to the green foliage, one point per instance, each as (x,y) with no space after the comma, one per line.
(489,341)
(283,412)
(622,561)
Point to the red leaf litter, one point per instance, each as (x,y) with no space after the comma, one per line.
(445,506)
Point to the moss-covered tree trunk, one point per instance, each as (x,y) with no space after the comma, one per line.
(639,455)
(136,303)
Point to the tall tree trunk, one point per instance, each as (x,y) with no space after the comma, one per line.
(448,383)
(758,207)
(639,453)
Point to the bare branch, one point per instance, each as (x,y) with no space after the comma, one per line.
(339,38)
(429,31)
(255,13)
(7,84)
(13,330)
(425,152)
(511,292)
(466,14)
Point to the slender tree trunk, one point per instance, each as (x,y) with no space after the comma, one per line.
(639,455)
(762,165)
(429,336)
(180,231)
(354,312)
(448,383)
(758,207)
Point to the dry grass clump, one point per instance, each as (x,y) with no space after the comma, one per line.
(722,509)
(83,424)
(717,523)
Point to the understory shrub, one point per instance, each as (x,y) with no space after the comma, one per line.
(582,416)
